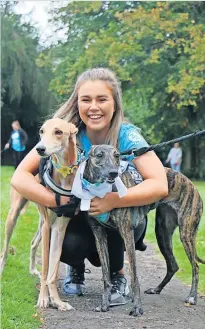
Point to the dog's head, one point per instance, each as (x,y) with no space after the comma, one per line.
(103,163)
(55,136)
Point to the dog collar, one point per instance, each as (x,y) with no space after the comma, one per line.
(86,185)
(66,170)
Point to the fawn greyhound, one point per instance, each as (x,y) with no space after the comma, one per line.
(58,141)
(182,207)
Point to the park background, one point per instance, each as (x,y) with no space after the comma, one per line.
(157,50)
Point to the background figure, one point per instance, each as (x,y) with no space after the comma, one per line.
(18,140)
(175,157)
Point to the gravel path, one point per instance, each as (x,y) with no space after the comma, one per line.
(160,311)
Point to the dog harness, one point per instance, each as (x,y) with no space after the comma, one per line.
(65,170)
(86,191)
(45,171)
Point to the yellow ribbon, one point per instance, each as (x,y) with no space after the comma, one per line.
(65,171)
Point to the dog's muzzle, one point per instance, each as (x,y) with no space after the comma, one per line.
(41,150)
(111,176)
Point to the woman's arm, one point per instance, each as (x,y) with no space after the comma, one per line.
(153,188)
(169,156)
(27,185)
(7,145)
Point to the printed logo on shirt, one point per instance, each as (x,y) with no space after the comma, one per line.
(133,136)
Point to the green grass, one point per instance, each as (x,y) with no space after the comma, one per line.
(19,294)
(185,272)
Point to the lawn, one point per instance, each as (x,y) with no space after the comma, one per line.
(19,293)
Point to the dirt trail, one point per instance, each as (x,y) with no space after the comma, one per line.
(160,311)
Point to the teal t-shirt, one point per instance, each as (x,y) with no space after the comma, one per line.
(129,138)
(16,141)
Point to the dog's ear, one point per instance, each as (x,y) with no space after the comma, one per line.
(72,130)
(90,153)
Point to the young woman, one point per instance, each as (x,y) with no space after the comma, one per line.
(95,107)
(17,141)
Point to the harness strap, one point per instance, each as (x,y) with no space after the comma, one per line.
(67,210)
(57,198)
(53,186)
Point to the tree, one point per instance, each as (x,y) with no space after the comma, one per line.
(25,94)
(157,50)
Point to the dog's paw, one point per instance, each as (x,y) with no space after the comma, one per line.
(43,302)
(43,299)
(63,306)
(102,308)
(152,291)
(190,300)
(35,272)
(136,311)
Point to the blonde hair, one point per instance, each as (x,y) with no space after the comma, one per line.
(69,110)
(17,123)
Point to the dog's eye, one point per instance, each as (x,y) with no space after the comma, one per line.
(58,132)
(40,131)
(99,155)
(117,156)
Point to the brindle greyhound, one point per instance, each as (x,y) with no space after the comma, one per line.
(182,207)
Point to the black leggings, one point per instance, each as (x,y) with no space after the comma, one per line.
(18,157)
(79,244)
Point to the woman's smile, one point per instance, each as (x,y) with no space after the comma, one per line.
(95,117)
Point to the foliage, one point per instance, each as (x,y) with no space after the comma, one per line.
(25,94)
(156,49)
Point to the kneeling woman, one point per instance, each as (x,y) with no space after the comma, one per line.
(95,107)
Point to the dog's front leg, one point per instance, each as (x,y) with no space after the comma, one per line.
(102,248)
(43,299)
(57,236)
(128,235)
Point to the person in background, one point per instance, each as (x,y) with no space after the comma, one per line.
(17,141)
(175,157)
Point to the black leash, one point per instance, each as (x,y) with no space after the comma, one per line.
(4,149)
(155,147)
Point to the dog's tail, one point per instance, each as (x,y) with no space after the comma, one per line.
(200,260)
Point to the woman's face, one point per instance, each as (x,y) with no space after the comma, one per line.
(96,105)
(15,126)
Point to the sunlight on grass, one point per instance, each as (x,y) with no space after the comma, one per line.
(19,294)
(185,271)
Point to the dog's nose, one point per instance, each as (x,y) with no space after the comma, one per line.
(113,174)
(40,150)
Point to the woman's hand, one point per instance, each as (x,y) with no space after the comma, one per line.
(99,206)
(64,200)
